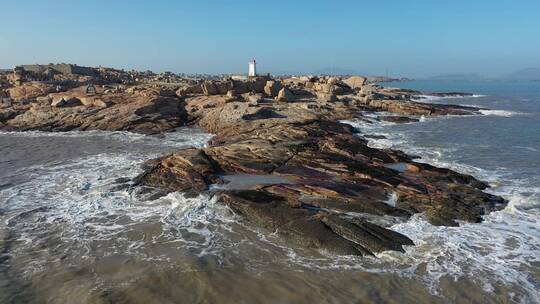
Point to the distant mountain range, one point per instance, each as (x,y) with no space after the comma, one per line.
(336,71)
(525,74)
(455,77)
(528,74)
(346,72)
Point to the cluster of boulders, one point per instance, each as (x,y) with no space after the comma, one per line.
(323,89)
(254,89)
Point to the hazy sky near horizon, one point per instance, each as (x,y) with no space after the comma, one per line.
(405,38)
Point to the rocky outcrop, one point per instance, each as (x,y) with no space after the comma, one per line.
(185,170)
(30,90)
(340,195)
(397,119)
(192,89)
(272,88)
(217,87)
(326,97)
(66,102)
(414,108)
(74,110)
(355,82)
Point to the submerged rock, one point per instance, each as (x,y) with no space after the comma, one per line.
(398,119)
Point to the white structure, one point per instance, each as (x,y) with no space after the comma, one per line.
(252,68)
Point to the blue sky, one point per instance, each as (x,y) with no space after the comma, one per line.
(405,38)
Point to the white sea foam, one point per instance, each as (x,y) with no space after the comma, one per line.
(392,199)
(502,250)
(79,204)
(182,137)
(430,98)
(502,113)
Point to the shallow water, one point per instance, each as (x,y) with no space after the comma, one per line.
(70,233)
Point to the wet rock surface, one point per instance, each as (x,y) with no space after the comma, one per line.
(332,175)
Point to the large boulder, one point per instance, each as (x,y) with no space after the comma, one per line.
(64,101)
(240,86)
(93,101)
(272,88)
(355,82)
(323,87)
(181,171)
(256,84)
(326,97)
(30,90)
(333,80)
(253,98)
(209,88)
(223,87)
(285,95)
(367,89)
(192,89)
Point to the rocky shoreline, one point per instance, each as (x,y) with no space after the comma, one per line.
(321,185)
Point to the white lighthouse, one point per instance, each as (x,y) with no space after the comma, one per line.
(252,72)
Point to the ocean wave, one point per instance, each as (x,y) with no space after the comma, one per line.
(182,136)
(87,217)
(86,208)
(72,205)
(502,250)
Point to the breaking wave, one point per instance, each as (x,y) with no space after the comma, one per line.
(430,98)
(502,113)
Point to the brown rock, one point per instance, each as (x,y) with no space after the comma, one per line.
(355,82)
(122,111)
(30,90)
(209,88)
(193,89)
(272,88)
(66,102)
(329,172)
(285,95)
(256,84)
(326,97)
(187,169)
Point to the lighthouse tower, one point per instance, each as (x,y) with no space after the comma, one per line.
(252,72)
